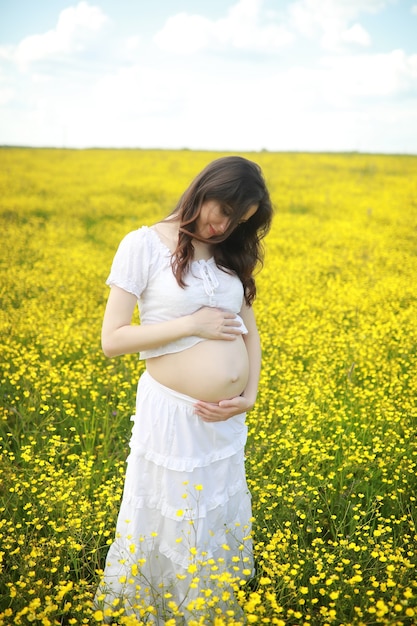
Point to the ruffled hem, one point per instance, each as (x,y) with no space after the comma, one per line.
(143,535)
(187,464)
(184,494)
(198,512)
(146,531)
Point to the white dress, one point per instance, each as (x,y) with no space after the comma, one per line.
(183,531)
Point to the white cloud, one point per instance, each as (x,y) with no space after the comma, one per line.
(76,26)
(333,23)
(139,90)
(6,95)
(40,79)
(132,43)
(241,29)
(328,106)
(414,9)
(372,76)
(342,83)
(356,34)
(118,95)
(341,104)
(331,20)
(183,33)
(6,52)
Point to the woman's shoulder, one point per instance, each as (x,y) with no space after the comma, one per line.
(138,238)
(146,241)
(135,243)
(139,234)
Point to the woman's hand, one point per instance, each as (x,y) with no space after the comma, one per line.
(213,323)
(222,411)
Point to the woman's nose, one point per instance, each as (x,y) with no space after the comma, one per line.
(223,225)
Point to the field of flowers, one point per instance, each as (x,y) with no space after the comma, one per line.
(331,455)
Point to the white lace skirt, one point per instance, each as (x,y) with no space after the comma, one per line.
(182,542)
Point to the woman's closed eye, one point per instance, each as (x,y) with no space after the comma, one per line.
(226,211)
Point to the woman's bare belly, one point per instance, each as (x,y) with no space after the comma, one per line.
(212,370)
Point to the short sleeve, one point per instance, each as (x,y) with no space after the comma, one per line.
(131,263)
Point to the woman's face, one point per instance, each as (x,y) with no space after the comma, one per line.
(215,218)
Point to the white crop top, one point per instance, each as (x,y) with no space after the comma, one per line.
(142,266)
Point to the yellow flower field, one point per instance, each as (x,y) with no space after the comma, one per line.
(331,455)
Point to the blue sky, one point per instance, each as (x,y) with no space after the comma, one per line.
(316,75)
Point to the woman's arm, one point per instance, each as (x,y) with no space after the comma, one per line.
(234,406)
(253,346)
(120,336)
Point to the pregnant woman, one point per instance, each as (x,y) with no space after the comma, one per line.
(183,530)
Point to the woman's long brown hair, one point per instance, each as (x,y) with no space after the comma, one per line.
(237,184)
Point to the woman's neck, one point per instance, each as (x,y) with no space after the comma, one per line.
(168,231)
(202,251)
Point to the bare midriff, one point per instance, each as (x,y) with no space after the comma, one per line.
(211,371)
